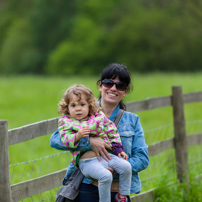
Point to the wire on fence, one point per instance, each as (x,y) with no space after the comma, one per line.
(160,165)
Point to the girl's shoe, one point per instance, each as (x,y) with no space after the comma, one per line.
(118,199)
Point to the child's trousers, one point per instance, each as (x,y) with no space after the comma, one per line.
(97,170)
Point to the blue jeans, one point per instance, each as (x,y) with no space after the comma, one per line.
(89,193)
(97,170)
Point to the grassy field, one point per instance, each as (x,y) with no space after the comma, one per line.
(29,99)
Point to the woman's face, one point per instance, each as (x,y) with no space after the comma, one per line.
(112,95)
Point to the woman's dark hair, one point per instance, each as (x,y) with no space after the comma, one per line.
(112,71)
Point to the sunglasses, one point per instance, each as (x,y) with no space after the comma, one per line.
(107,83)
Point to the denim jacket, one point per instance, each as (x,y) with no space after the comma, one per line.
(132,138)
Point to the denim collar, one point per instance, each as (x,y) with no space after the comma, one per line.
(114,113)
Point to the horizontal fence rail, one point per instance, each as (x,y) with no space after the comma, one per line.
(159,147)
(31,131)
(162,146)
(194,139)
(159,102)
(41,128)
(148,104)
(38,185)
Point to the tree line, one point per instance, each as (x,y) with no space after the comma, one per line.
(68,37)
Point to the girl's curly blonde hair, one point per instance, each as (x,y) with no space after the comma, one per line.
(77,90)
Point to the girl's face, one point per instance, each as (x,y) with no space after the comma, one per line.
(78,109)
(112,95)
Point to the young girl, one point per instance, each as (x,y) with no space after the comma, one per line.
(82,117)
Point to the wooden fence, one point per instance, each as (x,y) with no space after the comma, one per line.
(180,142)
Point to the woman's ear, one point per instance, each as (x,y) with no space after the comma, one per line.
(126,91)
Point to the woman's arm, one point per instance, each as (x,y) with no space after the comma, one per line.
(139,159)
(93,143)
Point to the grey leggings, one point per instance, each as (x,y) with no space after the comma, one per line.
(97,170)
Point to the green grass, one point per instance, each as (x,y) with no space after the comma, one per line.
(181,192)
(28,99)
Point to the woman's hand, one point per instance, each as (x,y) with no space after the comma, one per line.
(99,147)
(123,154)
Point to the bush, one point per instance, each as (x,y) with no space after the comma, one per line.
(81,37)
(18,54)
(83,54)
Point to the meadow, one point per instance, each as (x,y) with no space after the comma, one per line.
(29,99)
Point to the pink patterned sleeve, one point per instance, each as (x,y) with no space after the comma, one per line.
(113,137)
(67,135)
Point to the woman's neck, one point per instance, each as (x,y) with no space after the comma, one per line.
(107,108)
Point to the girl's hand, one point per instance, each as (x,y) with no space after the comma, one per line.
(83,132)
(123,154)
(103,136)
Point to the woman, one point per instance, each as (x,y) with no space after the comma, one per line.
(113,85)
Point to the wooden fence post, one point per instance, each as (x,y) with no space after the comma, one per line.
(5,188)
(180,141)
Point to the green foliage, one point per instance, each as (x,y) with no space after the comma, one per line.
(30,36)
(18,54)
(51,23)
(154,40)
(81,37)
(75,56)
(180,192)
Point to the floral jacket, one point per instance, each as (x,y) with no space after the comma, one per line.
(98,124)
